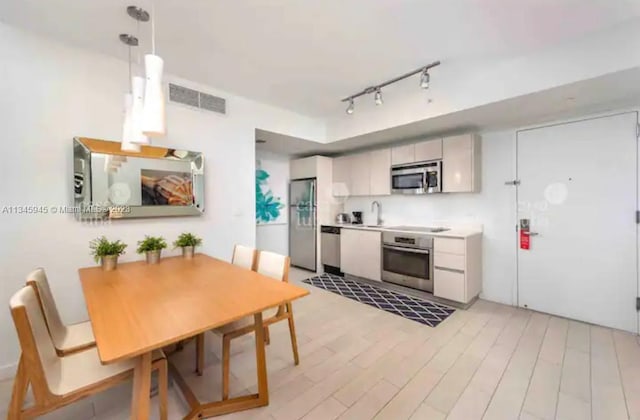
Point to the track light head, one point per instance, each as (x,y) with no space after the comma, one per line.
(378,97)
(351,107)
(424,79)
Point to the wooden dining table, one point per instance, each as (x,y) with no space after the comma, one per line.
(141,307)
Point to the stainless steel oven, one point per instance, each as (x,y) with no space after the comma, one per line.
(407,259)
(417,178)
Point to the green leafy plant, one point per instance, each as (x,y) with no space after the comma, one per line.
(187,239)
(102,247)
(151,243)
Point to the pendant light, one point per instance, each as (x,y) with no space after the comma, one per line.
(137,106)
(153,115)
(128,133)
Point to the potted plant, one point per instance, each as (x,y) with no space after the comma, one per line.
(152,246)
(188,242)
(107,252)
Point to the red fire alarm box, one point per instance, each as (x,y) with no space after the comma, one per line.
(525,238)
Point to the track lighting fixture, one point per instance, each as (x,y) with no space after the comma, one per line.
(350,108)
(424,79)
(376,89)
(378,97)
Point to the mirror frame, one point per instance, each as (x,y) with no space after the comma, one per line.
(85,148)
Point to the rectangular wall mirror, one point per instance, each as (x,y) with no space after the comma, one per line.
(155,182)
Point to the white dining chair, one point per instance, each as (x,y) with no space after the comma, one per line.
(56,381)
(244,256)
(67,339)
(276,267)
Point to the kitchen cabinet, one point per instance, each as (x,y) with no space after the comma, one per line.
(368,173)
(361,253)
(360,173)
(303,168)
(428,150)
(380,172)
(403,154)
(457,268)
(461,163)
(341,176)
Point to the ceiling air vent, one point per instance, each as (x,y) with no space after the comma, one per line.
(186,96)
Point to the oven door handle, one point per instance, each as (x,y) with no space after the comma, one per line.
(411,250)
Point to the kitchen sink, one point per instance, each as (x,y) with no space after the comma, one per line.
(418,229)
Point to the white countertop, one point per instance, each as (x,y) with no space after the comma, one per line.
(452,233)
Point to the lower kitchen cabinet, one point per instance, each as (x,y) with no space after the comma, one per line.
(361,253)
(449,284)
(457,273)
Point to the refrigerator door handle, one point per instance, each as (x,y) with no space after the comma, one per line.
(312,199)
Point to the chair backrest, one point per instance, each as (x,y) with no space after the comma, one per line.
(273,265)
(38,352)
(244,256)
(38,280)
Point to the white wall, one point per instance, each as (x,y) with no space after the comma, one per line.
(274,237)
(50,93)
(494,208)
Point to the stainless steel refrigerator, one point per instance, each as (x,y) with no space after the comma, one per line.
(303,223)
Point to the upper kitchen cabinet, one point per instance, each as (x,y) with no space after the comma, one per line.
(359,174)
(304,168)
(403,154)
(428,150)
(380,170)
(461,163)
(342,176)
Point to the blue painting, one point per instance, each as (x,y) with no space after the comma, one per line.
(269,205)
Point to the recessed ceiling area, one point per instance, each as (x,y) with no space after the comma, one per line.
(303,55)
(602,94)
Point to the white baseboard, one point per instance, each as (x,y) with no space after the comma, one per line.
(8,371)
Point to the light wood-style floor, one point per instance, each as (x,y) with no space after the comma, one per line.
(488,362)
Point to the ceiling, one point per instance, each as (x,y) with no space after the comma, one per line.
(602,94)
(306,55)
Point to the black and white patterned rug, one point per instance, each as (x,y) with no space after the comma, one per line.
(409,307)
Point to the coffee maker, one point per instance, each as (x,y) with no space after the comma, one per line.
(357,218)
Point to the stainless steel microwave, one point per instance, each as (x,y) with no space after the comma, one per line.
(417,178)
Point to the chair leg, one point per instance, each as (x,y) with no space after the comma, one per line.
(163,385)
(200,354)
(292,332)
(226,350)
(20,386)
(267,338)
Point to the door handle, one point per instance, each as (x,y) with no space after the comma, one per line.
(530,233)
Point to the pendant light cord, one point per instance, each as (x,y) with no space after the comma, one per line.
(139,40)
(153,27)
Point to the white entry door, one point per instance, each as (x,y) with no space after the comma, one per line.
(578,187)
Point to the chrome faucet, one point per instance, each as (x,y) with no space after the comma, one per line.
(378,207)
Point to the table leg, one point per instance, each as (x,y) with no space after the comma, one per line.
(261,360)
(141,388)
(200,354)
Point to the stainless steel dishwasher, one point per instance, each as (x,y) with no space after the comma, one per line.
(330,249)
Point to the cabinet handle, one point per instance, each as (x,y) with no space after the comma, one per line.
(454,270)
